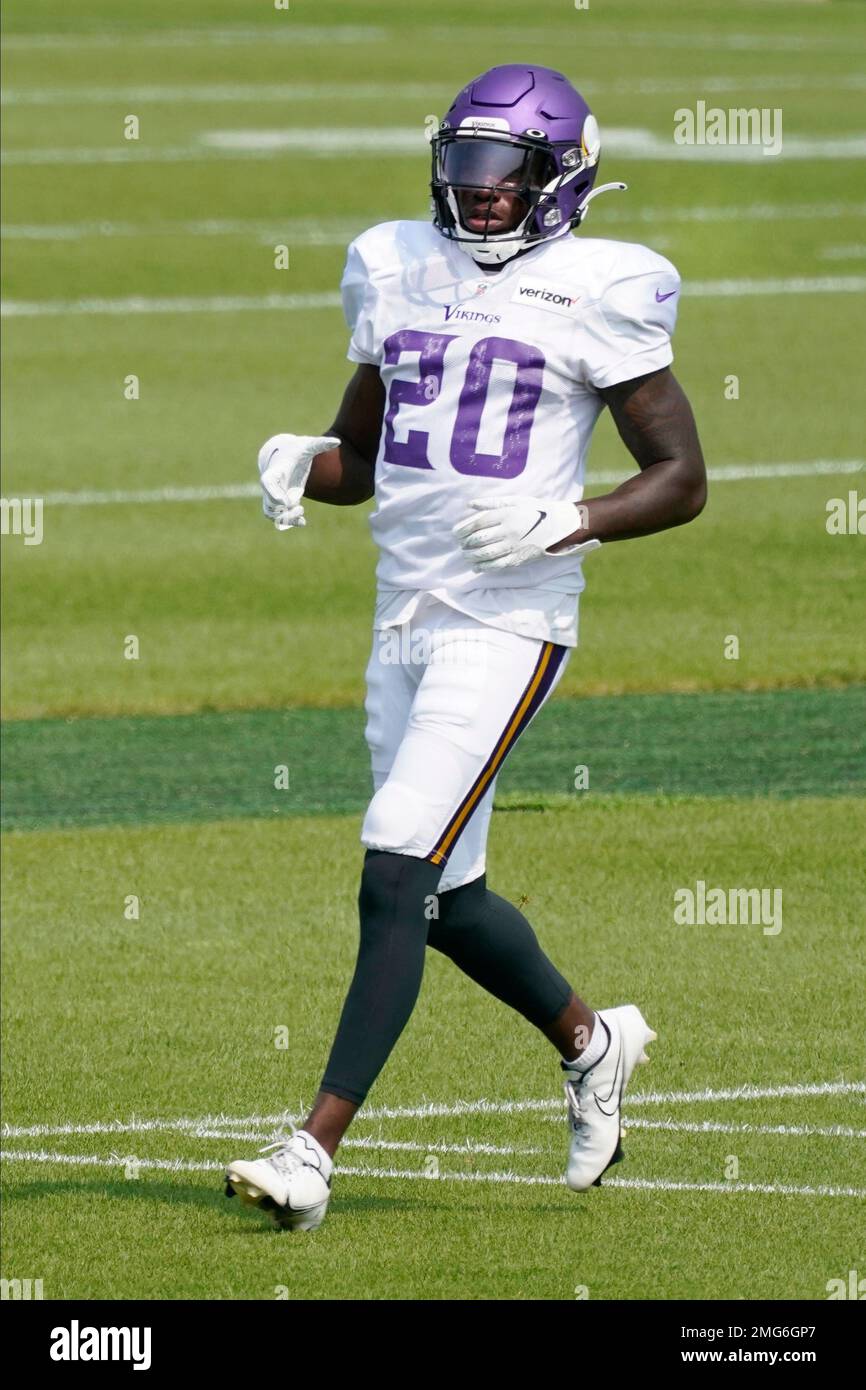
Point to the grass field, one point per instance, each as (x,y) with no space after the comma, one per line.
(168,913)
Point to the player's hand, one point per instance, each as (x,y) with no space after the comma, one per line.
(285,461)
(517,530)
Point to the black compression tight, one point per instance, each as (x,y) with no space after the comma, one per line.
(491,941)
(394,903)
(401,914)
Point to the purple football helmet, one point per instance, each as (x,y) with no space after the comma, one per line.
(519,130)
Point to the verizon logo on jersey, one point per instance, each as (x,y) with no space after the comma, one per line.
(543,296)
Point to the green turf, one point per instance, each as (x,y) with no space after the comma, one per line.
(742,773)
(241,932)
(213,766)
(231,616)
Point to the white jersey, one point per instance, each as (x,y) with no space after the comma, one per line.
(492,389)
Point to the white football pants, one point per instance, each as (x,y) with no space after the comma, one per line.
(447,699)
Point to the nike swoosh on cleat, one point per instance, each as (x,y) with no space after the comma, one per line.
(609,1096)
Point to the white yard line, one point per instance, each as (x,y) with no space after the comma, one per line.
(720,1127)
(180,304)
(339,231)
(695,85)
(298,230)
(435,1110)
(183,1165)
(725,473)
(377,142)
(330,299)
(659,39)
(854,251)
(815,284)
(283,29)
(259,1135)
(256,93)
(626,142)
(733,212)
(176,1165)
(265,1127)
(278,32)
(748,1092)
(764,1188)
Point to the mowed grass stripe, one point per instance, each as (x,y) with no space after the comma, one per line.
(215,766)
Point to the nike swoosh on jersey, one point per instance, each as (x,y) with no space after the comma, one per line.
(660,298)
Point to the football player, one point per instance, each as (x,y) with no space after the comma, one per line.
(486,343)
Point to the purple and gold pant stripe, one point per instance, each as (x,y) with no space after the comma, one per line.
(532,698)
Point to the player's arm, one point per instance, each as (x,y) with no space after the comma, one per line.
(345,475)
(337,467)
(656,424)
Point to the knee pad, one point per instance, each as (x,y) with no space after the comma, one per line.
(394,818)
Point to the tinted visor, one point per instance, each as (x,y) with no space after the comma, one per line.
(476,163)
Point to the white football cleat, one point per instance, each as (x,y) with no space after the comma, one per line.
(290,1186)
(595,1097)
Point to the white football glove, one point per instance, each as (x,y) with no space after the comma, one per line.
(284,466)
(517,530)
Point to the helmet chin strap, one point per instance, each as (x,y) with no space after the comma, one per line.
(493,255)
(485,251)
(498,255)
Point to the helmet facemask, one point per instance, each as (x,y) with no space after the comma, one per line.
(472,172)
